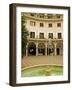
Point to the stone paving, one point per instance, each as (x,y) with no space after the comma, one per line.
(28,61)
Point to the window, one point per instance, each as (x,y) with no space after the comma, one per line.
(58,16)
(59,35)
(50,35)
(49,16)
(32,14)
(41,15)
(32,34)
(58,24)
(41,35)
(41,24)
(50,25)
(32,23)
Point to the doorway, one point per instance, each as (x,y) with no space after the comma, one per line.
(58,51)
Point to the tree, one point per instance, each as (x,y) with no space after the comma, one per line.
(24,35)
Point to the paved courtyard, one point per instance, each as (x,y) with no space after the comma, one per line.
(38,60)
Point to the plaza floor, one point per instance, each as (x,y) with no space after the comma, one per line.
(28,61)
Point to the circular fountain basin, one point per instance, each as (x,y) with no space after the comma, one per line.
(42,70)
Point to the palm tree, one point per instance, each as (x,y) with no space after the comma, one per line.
(24,34)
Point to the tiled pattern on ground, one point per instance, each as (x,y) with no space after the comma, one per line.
(37,60)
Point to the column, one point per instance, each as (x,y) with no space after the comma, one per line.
(46,49)
(55,49)
(37,49)
(61,51)
(27,50)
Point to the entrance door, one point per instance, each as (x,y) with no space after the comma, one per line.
(58,51)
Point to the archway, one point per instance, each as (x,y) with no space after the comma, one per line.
(59,49)
(50,49)
(31,49)
(41,49)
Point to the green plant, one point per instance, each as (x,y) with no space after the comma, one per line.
(24,34)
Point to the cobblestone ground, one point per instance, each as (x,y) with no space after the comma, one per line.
(37,60)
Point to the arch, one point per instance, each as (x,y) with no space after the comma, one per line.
(59,48)
(41,45)
(50,48)
(60,45)
(41,49)
(31,48)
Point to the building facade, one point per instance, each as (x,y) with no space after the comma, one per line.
(45,34)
